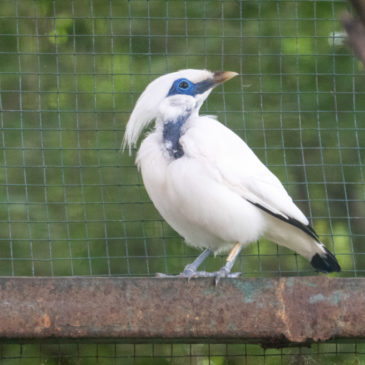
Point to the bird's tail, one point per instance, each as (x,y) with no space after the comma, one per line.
(304,241)
(325,262)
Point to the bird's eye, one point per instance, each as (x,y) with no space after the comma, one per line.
(183,85)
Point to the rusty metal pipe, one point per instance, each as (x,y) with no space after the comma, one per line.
(263,310)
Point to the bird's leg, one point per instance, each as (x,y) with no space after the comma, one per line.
(190,270)
(225,271)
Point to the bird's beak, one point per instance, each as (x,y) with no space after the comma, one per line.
(222,76)
(218,78)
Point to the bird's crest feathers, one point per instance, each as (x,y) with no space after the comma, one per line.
(146,108)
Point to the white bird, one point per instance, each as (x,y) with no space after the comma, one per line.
(207,183)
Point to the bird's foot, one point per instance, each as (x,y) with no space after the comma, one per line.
(188,273)
(225,273)
(191,273)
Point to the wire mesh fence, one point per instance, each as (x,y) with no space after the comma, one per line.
(176,354)
(73,204)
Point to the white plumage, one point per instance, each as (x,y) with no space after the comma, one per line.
(206,182)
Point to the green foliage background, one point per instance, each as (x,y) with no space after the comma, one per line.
(70,73)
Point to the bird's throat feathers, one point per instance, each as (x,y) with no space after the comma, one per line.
(171,132)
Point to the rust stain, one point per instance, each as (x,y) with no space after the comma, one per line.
(282,313)
(43,323)
(46,321)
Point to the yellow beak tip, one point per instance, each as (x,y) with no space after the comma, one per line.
(223,76)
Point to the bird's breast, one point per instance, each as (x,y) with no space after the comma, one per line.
(190,195)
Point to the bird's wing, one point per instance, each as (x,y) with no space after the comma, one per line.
(239,168)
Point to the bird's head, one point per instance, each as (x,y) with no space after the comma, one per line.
(172,93)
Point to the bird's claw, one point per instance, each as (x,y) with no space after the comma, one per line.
(224,273)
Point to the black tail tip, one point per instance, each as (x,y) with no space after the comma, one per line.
(325,263)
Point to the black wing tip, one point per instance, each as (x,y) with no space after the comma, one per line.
(326,263)
(294,222)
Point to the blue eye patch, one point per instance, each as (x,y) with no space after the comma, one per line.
(186,87)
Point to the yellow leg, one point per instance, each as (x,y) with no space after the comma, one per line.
(234,252)
(225,271)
